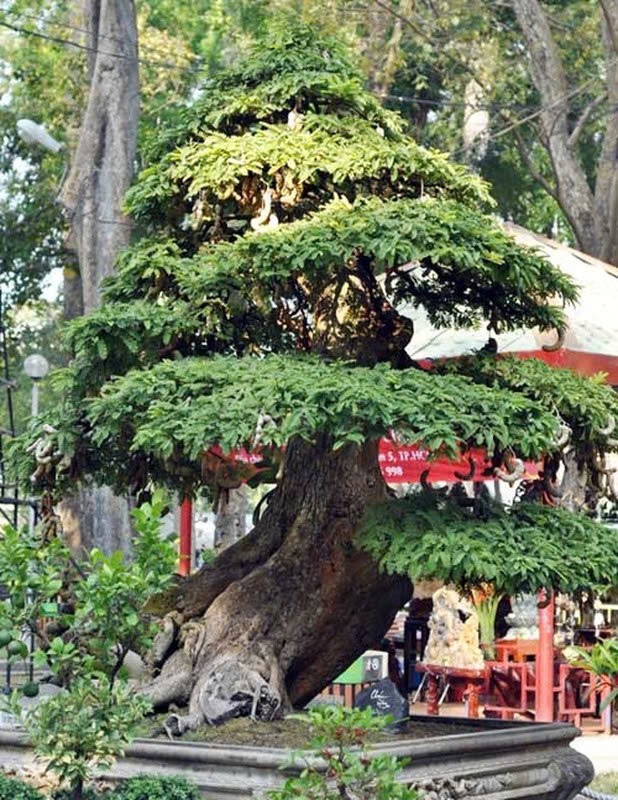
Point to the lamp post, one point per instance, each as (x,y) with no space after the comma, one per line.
(36,368)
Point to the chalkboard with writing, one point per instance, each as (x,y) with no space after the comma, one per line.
(384,698)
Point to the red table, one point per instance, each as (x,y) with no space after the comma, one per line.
(474,680)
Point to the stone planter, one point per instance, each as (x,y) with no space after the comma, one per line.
(501,761)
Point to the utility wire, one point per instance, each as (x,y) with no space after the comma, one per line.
(23,15)
(512,125)
(88,48)
(66,26)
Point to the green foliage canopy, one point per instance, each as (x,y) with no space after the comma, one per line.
(287,216)
(524,549)
(587,405)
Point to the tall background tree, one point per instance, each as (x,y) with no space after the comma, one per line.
(285,218)
(51,56)
(543,76)
(92,194)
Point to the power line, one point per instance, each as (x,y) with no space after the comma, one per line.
(400,98)
(439,102)
(88,48)
(65,25)
(518,123)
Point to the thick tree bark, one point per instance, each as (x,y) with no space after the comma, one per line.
(103,164)
(285,610)
(101,172)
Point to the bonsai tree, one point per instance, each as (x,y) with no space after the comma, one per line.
(285,221)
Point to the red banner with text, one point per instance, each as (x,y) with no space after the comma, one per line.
(402,463)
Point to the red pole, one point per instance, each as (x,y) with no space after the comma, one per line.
(186,537)
(545,660)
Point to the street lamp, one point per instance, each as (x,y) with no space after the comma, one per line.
(33,133)
(36,368)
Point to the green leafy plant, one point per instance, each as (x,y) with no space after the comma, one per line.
(522,549)
(602,660)
(94,716)
(486,601)
(85,728)
(88,794)
(32,575)
(146,787)
(341,765)
(13,789)
(526,548)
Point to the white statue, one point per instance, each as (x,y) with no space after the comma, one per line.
(454,632)
(523,619)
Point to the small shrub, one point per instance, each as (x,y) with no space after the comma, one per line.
(87,727)
(90,723)
(150,788)
(340,741)
(12,789)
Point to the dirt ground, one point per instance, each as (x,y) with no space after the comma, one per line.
(291,733)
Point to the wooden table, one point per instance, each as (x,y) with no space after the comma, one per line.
(517,650)
(474,680)
(520,650)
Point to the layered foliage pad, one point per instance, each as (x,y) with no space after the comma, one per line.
(183,407)
(286,211)
(529,547)
(588,406)
(295,69)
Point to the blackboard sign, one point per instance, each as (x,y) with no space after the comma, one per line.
(384,698)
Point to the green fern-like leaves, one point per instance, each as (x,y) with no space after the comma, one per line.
(193,403)
(523,549)
(587,405)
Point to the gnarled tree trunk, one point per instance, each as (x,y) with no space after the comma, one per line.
(282,612)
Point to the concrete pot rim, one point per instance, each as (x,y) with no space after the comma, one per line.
(493,736)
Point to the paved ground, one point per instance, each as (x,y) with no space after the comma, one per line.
(602,750)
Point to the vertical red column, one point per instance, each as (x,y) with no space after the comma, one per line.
(545,660)
(186,537)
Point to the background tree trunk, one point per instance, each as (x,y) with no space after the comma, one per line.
(101,171)
(591,210)
(231,517)
(286,609)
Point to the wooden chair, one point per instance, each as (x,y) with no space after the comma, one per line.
(581,694)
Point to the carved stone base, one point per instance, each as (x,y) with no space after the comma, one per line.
(502,761)
(564,777)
